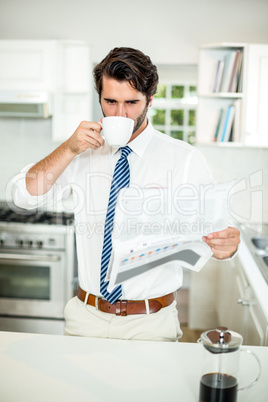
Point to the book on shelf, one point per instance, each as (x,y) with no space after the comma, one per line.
(228,123)
(237,121)
(240,76)
(219,123)
(234,76)
(231,136)
(214,83)
(218,76)
(228,73)
(228,68)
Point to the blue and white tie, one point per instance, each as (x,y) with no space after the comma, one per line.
(120,180)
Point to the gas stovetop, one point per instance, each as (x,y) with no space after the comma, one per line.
(16,215)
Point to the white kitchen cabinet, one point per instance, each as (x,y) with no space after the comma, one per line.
(59,67)
(238,308)
(28,65)
(250,99)
(203,297)
(256,105)
(237,314)
(257,327)
(230,289)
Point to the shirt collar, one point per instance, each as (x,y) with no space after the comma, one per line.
(141,142)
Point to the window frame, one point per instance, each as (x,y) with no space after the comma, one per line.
(169,104)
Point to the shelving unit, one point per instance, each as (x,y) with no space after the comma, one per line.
(250,126)
(210,103)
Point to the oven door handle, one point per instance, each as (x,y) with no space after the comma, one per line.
(25,257)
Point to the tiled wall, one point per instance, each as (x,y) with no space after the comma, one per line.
(22,141)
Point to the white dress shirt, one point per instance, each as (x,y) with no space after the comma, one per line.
(156,161)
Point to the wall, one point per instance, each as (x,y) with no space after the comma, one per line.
(22,141)
(249,168)
(170,31)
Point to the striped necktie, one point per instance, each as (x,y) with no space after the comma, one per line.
(120,180)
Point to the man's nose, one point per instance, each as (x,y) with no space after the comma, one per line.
(121,111)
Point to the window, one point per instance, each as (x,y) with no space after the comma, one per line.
(173,110)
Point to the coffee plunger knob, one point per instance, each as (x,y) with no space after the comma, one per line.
(222,331)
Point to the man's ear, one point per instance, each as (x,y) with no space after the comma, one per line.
(150,101)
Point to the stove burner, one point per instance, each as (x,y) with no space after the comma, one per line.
(36,217)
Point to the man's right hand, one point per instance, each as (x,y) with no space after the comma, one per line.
(41,177)
(87,135)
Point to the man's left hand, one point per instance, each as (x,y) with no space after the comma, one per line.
(224,243)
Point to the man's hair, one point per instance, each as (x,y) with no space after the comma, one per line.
(127,64)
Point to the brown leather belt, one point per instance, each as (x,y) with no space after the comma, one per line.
(126,307)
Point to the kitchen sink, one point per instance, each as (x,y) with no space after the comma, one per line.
(261,243)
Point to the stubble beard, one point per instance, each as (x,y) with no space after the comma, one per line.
(140,119)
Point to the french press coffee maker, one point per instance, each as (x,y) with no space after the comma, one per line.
(219,380)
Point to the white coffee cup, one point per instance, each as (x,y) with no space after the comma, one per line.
(117,130)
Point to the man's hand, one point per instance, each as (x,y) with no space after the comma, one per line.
(224,243)
(41,177)
(87,135)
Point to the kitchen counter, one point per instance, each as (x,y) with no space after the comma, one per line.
(56,368)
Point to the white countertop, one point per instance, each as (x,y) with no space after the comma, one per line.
(50,368)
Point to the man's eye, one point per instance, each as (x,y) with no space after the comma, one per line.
(110,101)
(134,102)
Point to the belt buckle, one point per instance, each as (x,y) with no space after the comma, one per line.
(121,307)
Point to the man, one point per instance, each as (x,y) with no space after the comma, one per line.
(126,81)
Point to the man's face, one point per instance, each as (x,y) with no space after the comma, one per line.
(118,98)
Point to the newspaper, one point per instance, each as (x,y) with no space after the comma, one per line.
(154,226)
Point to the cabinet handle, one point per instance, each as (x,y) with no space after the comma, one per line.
(26,257)
(243,302)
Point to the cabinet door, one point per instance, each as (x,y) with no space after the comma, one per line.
(27,65)
(247,317)
(74,68)
(226,285)
(239,311)
(256,324)
(72,98)
(238,308)
(257,95)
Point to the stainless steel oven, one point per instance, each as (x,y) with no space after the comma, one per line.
(37,272)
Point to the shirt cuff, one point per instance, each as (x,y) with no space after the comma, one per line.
(22,198)
(226,259)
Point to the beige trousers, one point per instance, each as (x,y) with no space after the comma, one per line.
(84,320)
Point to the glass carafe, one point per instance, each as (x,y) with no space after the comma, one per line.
(219,380)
